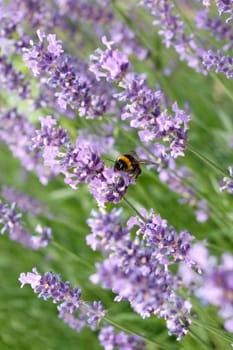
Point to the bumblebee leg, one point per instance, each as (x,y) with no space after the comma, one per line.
(137,172)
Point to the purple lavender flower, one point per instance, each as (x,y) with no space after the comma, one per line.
(67,77)
(225,7)
(218,29)
(50,286)
(110,187)
(90,12)
(38,59)
(109,339)
(226,184)
(144,109)
(172,29)
(13,80)
(123,37)
(214,285)
(169,247)
(221,64)
(17,132)
(79,163)
(111,64)
(10,220)
(107,230)
(138,270)
(24,202)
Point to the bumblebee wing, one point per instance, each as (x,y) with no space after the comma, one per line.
(145,161)
(133,154)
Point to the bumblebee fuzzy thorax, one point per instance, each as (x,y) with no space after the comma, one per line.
(129,164)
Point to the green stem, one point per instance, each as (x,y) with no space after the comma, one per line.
(206,160)
(161,345)
(223,334)
(199,340)
(75,256)
(133,208)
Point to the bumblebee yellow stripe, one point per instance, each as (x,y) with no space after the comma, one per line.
(126,161)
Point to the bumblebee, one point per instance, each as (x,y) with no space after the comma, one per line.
(130,164)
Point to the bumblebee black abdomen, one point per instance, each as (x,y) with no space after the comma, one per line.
(129,164)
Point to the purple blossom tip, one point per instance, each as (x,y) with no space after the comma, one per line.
(111,64)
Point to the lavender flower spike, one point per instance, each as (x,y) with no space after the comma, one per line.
(138,270)
(10,221)
(50,286)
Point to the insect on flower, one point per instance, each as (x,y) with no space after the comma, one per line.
(130,164)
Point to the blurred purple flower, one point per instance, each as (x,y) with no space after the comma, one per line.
(111,340)
(226,184)
(13,80)
(17,133)
(214,283)
(10,220)
(172,29)
(218,29)
(216,288)
(123,37)
(24,202)
(91,12)
(107,231)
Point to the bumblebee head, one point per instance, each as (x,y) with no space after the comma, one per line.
(119,165)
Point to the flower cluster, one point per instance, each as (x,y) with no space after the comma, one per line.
(142,105)
(110,340)
(226,184)
(50,286)
(225,7)
(110,64)
(80,9)
(10,220)
(80,163)
(218,29)
(111,187)
(214,285)
(138,270)
(17,132)
(198,54)
(24,202)
(172,30)
(221,63)
(67,77)
(12,80)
